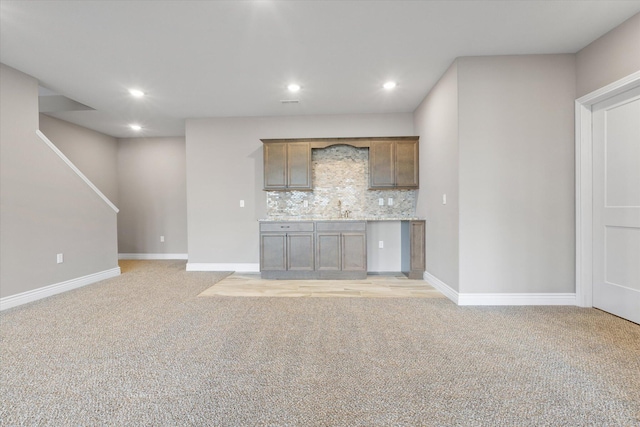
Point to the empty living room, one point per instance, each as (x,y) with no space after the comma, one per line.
(320,213)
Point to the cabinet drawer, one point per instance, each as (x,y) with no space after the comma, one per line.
(341,226)
(286,226)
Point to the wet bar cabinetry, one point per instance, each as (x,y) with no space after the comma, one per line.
(287,247)
(313,250)
(287,166)
(393,161)
(413,248)
(331,249)
(393,164)
(341,249)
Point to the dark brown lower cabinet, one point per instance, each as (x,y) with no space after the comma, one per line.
(341,249)
(331,249)
(354,252)
(413,249)
(335,250)
(273,252)
(287,249)
(328,257)
(292,252)
(300,252)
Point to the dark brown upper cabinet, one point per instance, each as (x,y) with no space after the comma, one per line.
(393,164)
(393,161)
(287,166)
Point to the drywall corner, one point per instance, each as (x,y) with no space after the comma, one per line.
(436,122)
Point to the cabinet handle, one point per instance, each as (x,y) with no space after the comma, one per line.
(285,226)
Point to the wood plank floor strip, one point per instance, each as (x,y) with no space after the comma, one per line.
(250,285)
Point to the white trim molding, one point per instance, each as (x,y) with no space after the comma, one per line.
(210,266)
(517,299)
(153,256)
(584,183)
(447,290)
(499,299)
(57,288)
(73,167)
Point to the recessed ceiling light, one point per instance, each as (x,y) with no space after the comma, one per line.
(293,87)
(136,92)
(389,85)
(135,127)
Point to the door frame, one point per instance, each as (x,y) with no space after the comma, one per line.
(584,183)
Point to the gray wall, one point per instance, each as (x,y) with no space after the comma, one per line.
(224,166)
(45,208)
(609,58)
(94,153)
(501,131)
(497,136)
(436,121)
(144,177)
(153,195)
(516,136)
(388,258)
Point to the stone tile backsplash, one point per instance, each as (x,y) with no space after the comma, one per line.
(340,183)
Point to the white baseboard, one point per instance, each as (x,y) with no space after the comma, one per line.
(153,256)
(500,299)
(517,299)
(211,266)
(56,288)
(447,290)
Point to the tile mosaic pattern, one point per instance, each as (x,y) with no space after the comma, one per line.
(340,182)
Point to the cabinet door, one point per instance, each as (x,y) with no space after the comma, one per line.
(407,164)
(300,251)
(417,260)
(381,164)
(273,252)
(354,252)
(299,165)
(328,252)
(275,166)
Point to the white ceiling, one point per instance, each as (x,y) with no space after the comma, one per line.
(235,58)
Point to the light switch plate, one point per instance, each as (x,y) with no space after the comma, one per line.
(390,201)
(380,244)
(305,203)
(242,203)
(59,258)
(381,201)
(161,239)
(444,199)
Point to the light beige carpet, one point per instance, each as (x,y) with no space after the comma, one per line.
(251,285)
(143,349)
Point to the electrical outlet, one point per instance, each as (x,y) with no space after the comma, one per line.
(305,203)
(242,203)
(381,201)
(380,244)
(161,239)
(390,201)
(59,258)
(444,199)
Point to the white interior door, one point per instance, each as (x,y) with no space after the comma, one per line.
(616,205)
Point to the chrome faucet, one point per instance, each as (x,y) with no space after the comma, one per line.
(342,214)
